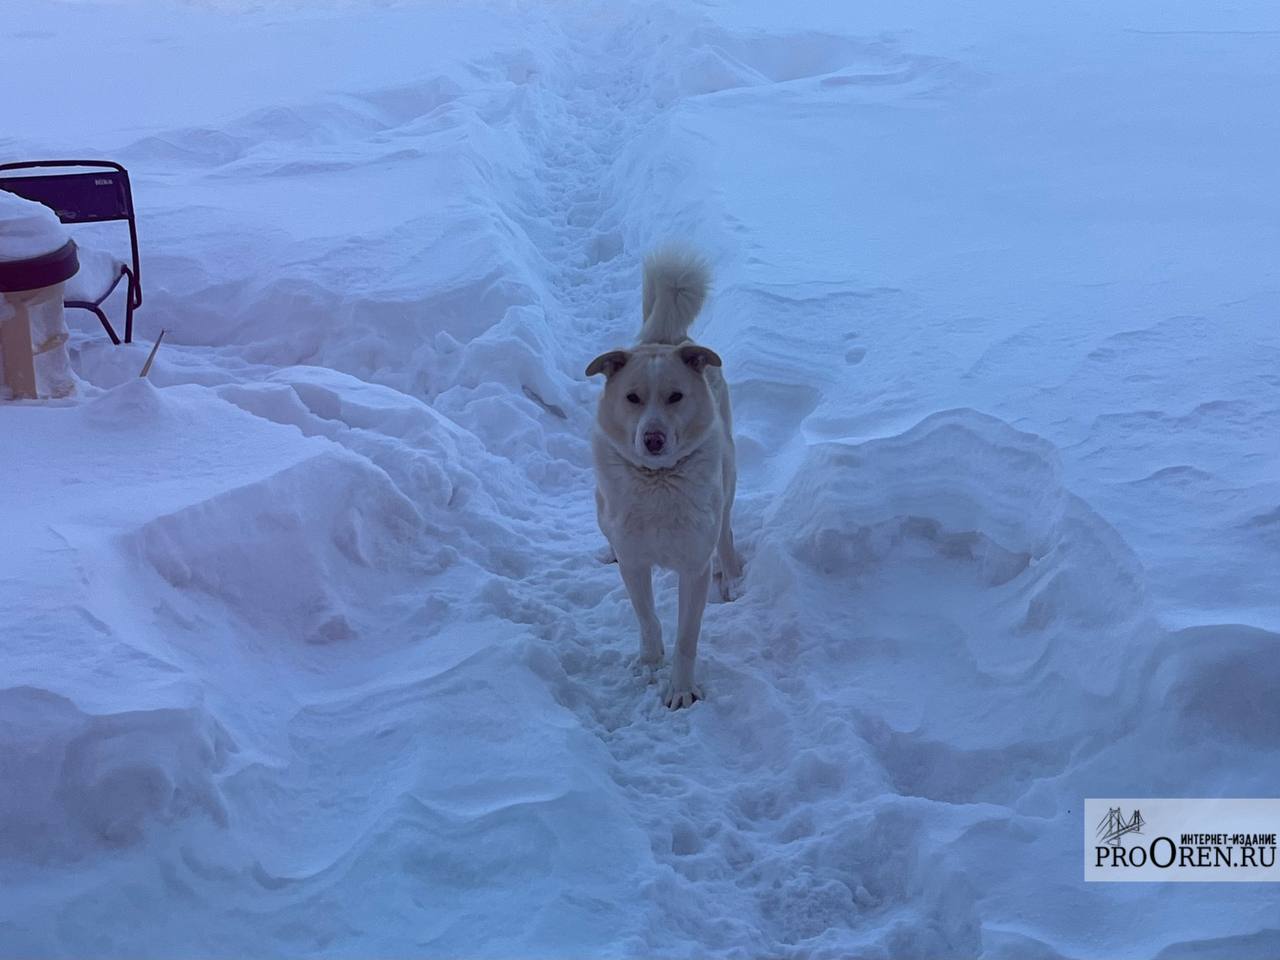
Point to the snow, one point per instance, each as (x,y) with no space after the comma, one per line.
(306,650)
(27,230)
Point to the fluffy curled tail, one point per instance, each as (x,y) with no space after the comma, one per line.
(675,286)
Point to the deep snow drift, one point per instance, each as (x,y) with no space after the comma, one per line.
(305,648)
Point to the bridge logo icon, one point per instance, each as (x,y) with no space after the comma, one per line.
(1114,826)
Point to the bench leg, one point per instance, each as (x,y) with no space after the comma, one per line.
(102,317)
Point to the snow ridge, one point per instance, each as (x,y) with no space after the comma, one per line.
(307,649)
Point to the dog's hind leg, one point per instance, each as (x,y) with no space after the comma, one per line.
(605,554)
(728,563)
(639,584)
(693,600)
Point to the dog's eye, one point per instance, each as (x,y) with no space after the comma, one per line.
(631,397)
(675,397)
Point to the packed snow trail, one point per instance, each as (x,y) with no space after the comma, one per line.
(308,651)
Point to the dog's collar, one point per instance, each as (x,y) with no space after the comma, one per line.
(659,471)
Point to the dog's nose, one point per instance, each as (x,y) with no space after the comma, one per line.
(654,441)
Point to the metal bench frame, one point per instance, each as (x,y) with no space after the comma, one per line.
(42,188)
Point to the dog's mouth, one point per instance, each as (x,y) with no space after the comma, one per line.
(655,449)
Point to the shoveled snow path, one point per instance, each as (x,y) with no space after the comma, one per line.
(379,674)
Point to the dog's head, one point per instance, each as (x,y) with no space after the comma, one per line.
(657,405)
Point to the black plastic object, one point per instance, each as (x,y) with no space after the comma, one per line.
(42,271)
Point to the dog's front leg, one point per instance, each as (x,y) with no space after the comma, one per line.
(693,600)
(639,583)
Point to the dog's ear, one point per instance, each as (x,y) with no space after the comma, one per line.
(608,363)
(699,358)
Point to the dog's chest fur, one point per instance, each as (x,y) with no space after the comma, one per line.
(668,518)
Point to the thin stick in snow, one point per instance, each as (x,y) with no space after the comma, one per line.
(146,367)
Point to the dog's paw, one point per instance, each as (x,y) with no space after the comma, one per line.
(645,666)
(679,699)
(606,555)
(728,589)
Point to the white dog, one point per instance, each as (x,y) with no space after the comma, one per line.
(664,459)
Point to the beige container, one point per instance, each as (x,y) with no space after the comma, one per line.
(36,259)
(33,345)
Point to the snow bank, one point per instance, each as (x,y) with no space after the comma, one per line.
(83,784)
(307,651)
